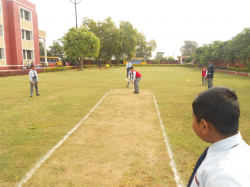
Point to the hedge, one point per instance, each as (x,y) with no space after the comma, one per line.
(246,70)
(57,69)
(160,65)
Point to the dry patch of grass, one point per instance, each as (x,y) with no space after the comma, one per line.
(120,144)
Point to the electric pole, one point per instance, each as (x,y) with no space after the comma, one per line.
(75,8)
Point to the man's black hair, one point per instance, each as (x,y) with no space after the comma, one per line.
(220,107)
(131,67)
(32,66)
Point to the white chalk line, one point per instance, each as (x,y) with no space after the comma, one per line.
(170,154)
(45,157)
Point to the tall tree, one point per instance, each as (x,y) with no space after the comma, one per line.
(81,43)
(159,56)
(56,49)
(188,48)
(41,48)
(144,48)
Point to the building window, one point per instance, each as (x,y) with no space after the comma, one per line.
(1,30)
(28,54)
(2,53)
(26,15)
(26,35)
(0,7)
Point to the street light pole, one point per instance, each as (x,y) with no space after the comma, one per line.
(75,9)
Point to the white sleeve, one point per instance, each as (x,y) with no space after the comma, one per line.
(30,76)
(37,77)
(223,179)
(134,75)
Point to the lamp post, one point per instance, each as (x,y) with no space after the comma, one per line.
(75,8)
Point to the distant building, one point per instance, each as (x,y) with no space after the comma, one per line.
(19,34)
(181,59)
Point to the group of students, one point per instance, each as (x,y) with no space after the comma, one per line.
(208,75)
(216,112)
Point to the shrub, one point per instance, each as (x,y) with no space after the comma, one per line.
(246,70)
(57,69)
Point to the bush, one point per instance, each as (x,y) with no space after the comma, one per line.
(246,70)
(57,69)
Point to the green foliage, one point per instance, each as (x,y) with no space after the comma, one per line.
(188,48)
(56,49)
(144,48)
(246,70)
(171,58)
(57,69)
(236,49)
(41,48)
(119,42)
(82,43)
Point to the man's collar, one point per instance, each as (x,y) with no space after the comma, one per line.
(224,144)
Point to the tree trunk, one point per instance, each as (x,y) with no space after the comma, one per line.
(118,62)
(81,64)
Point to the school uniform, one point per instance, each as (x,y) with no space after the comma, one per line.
(130,77)
(210,75)
(136,80)
(204,74)
(128,65)
(33,79)
(226,164)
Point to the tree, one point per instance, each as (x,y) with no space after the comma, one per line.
(144,48)
(159,56)
(114,42)
(41,48)
(188,48)
(56,49)
(80,42)
(171,58)
(125,41)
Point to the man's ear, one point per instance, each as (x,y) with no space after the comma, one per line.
(205,126)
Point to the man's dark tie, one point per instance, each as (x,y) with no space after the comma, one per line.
(200,160)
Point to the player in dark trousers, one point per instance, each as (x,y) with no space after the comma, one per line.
(33,80)
(128,65)
(225,163)
(210,74)
(136,79)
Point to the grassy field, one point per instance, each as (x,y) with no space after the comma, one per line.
(31,126)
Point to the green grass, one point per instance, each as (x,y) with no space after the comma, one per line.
(31,126)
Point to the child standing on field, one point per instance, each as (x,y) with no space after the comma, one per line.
(204,75)
(33,80)
(225,163)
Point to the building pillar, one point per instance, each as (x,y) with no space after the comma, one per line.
(45,53)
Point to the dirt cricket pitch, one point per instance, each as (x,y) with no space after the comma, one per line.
(119,144)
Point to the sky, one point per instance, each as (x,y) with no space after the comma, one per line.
(169,22)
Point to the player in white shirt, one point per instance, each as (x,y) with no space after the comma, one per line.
(226,163)
(33,80)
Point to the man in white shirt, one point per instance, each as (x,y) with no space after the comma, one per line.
(33,80)
(226,163)
(128,65)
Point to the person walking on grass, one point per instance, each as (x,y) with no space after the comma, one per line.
(203,75)
(225,163)
(33,80)
(136,79)
(210,74)
(128,65)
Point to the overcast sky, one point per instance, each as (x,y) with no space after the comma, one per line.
(169,22)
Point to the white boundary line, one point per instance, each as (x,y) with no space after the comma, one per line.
(170,154)
(45,157)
